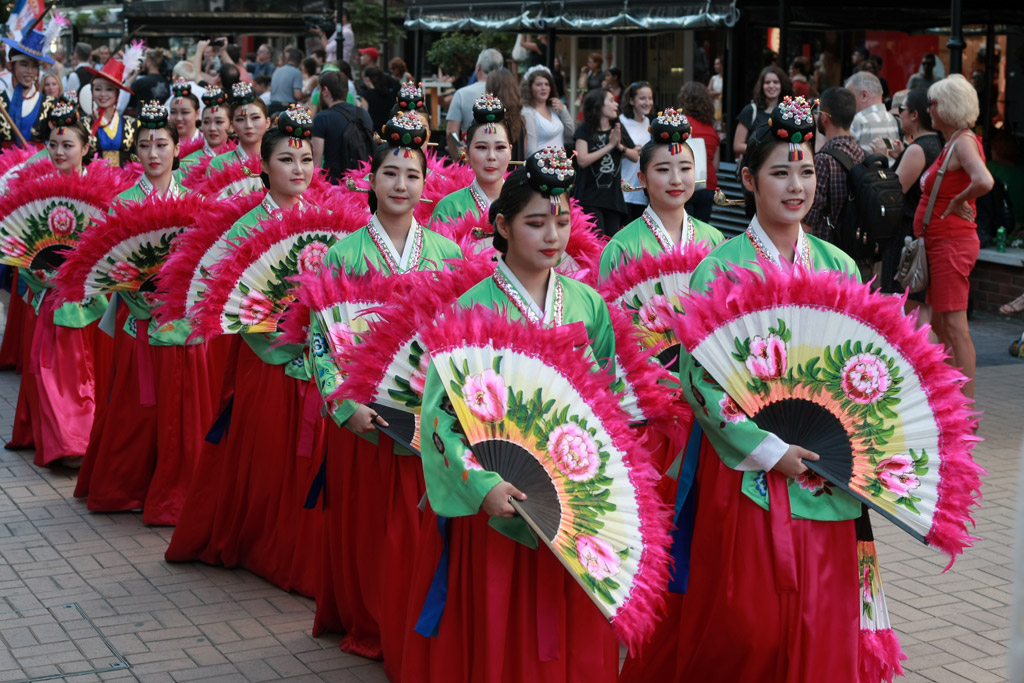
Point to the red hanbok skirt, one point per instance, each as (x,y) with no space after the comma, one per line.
(513,614)
(371,525)
(739,620)
(245,505)
(10,348)
(28,397)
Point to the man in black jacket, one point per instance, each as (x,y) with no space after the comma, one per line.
(330,149)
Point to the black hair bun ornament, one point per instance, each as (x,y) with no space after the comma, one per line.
(792,119)
(488,109)
(410,97)
(214,97)
(672,128)
(550,172)
(405,129)
(242,93)
(62,115)
(153,115)
(181,88)
(69,96)
(297,123)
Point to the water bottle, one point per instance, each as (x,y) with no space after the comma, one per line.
(1001,240)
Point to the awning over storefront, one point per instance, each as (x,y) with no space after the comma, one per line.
(569,16)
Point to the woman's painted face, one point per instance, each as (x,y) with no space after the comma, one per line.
(669,178)
(26,73)
(104,93)
(772,87)
(51,86)
(643,101)
(398,183)
(536,237)
(784,189)
(216,126)
(290,169)
(489,154)
(540,89)
(66,150)
(156,151)
(184,116)
(250,124)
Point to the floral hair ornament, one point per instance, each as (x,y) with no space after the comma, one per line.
(410,97)
(153,115)
(214,97)
(405,131)
(62,115)
(181,88)
(550,172)
(297,124)
(670,128)
(792,120)
(488,110)
(242,94)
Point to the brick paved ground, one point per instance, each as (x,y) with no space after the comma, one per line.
(192,622)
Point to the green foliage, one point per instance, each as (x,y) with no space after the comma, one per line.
(366,18)
(456,53)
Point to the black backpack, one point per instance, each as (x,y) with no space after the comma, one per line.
(358,143)
(873,213)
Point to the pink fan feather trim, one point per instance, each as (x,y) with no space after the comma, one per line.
(664,407)
(418,299)
(878,656)
(127,221)
(556,348)
(176,276)
(14,157)
(97,189)
(191,146)
(246,252)
(628,275)
(585,245)
(221,178)
(742,291)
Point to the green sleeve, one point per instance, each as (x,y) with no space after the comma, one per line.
(738,444)
(325,372)
(705,232)
(612,256)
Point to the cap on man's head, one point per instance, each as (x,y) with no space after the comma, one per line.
(371,52)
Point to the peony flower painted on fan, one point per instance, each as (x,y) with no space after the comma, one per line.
(12,246)
(656,313)
(813,482)
(62,221)
(340,335)
(574,451)
(311,258)
(418,379)
(897,474)
(597,557)
(486,395)
(731,411)
(255,308)
(470,462)
(124,272)
(867,594)
(865,378)
(767,359)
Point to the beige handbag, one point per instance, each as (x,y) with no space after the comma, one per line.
(912,272)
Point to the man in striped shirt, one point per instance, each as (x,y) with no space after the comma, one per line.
(872,119)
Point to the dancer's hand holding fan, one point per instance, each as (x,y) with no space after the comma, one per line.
(826,364)
(532,411)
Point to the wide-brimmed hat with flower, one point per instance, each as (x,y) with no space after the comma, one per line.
(114,70)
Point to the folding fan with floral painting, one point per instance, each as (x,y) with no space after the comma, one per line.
(535,410)
(126,250)
(387,368)
(183,277)
(824,363)
(248,288)
(14,160)
(649,289)
(46,217)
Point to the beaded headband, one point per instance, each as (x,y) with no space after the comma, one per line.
(670,128)
(410,97)
(405,130)
(550,172)
(792,120)
(153,115)
(297,124)
(214,97)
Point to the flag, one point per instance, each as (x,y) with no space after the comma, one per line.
(24,14)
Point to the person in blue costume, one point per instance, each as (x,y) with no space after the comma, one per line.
(27,106)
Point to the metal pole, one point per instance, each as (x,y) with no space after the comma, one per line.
(551,50)
(384,37)
(573,75)
(990,66)
(783,12)
(730,95)
(956,42)
(417,58)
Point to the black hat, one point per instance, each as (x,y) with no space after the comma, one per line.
(405,129)
(410,97)
(242,93)
(550,172)
(296,122)
(214,97)
(672,128)
(488,109)
(153,115)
